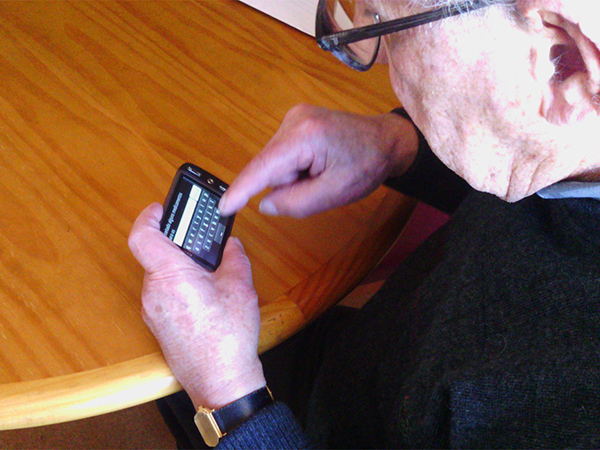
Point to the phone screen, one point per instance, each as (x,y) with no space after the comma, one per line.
(191,217)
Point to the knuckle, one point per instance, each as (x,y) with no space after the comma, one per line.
(308,117)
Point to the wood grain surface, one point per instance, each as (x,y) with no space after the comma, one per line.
(100,102)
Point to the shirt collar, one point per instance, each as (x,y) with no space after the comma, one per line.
(571,189)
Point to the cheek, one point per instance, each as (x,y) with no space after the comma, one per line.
(478,100)
(426,77)
(462,109)
(438,101)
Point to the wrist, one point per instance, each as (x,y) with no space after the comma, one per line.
(215,424)
(404,143)
(225,390)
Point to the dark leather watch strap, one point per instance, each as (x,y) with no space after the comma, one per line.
(234,414)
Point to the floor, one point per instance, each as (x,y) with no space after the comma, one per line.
(134,428)
(142,427)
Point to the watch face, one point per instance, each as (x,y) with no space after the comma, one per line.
(208,427)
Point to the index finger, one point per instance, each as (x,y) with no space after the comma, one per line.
(271,168)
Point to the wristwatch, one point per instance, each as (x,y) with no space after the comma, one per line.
(214,424)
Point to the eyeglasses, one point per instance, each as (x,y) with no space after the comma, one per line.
(353,34)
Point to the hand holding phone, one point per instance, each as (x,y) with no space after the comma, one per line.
(191,218)
(207,323)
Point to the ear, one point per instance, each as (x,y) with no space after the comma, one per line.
(569,29)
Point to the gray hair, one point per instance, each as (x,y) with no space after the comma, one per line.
(441,3)
(508,5)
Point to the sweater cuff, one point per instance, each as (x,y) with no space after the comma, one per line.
(273,427)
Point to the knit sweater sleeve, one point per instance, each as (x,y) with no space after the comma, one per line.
(273,427)
(429,180)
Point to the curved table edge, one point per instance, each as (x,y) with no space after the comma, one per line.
(86,394)
(147,378)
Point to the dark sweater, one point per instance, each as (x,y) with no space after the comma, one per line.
(488,336)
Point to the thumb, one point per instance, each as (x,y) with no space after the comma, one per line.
(150,246)
(235,262)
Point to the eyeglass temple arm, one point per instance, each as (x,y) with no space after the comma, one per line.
(331,41)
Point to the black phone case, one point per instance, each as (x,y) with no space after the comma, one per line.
(210,186)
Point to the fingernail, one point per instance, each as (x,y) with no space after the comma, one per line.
(267,207)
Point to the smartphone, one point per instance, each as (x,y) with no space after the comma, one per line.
(191,217)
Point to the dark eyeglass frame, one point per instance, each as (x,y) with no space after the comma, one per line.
(333,41)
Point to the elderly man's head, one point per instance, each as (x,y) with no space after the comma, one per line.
(508,96)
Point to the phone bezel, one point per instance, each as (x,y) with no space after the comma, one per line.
(212,184)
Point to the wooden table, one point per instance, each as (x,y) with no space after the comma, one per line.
(100,102)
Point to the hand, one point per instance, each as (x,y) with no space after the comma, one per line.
(320,159)
(207,324)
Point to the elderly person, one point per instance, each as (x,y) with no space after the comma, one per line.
(489,335)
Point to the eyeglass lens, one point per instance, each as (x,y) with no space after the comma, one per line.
(347,14)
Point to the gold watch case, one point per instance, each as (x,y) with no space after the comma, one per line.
(208,427)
